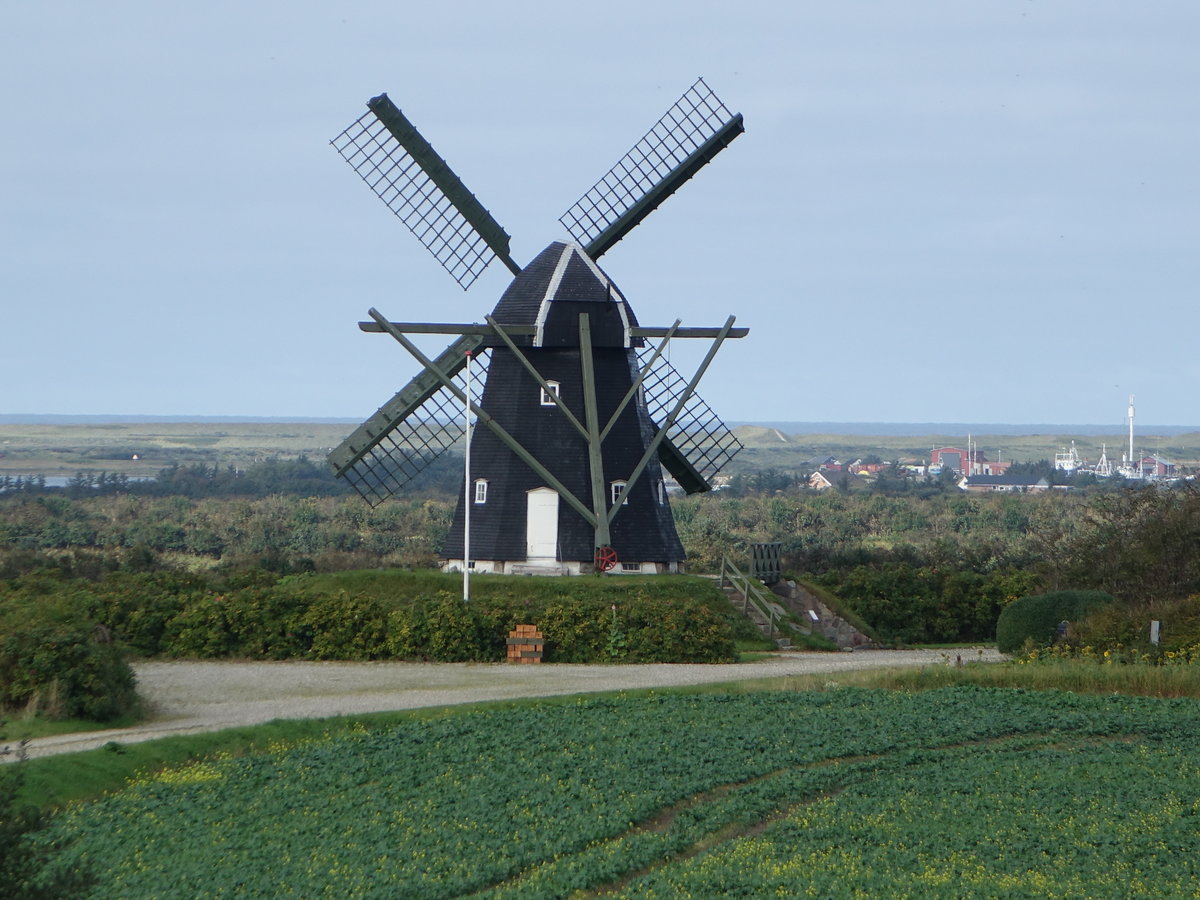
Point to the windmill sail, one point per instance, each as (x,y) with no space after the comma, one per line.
(416,184)
(684,140)
(409,432)
(698,444)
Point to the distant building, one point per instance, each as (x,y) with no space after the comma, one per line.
(953,458)
(1157,467)
(973,462)
(858,467)
(824,479)
(823,462)
(992,484)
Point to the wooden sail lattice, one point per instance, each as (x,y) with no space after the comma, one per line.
(679,144)
(418,186)
(697,434)
(410,442)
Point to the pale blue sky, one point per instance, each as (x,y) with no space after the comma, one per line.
(940,211)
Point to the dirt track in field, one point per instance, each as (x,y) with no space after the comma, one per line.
(189,697)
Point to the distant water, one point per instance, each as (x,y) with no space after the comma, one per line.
(62,481)
(920,429)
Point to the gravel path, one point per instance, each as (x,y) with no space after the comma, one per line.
(189,697)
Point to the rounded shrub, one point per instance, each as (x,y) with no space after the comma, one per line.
(56,662)
(1036,617)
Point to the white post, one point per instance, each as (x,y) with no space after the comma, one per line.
(468,498)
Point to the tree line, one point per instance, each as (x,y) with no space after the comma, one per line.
(927,563)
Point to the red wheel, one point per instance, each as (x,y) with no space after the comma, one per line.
(606,558)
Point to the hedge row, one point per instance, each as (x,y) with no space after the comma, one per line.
(276,623)
(927,604)
(398,615)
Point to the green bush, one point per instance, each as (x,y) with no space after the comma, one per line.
(658,629)
(201,629)
(347,626)
(56,662)
(137,606)
(578,629)
(574,632)
(268,623)
(445,629)
(1036,617)
(928,604)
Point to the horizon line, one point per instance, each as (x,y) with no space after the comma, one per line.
(805,427)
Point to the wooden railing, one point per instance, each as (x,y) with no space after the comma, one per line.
(753,594)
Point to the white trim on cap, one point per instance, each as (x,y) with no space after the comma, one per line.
(556,279)
(551,288)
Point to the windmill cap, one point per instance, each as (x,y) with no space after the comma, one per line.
(549,294)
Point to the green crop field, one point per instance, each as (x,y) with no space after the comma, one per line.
(955,792)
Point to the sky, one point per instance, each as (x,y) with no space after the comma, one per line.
(939,212)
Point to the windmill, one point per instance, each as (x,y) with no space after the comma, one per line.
(581,409)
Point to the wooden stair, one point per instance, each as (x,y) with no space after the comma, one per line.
(751,598)
(825,621)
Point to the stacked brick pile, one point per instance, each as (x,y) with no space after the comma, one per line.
(525,644)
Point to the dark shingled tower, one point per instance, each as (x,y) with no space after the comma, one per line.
(549,295)
(579,413)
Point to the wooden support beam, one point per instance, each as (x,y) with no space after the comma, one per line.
(442,328)
(592,415)
(641,331)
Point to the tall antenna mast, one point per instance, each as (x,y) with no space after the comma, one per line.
(1130,416)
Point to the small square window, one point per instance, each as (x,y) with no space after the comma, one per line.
(555,388)
(617,488)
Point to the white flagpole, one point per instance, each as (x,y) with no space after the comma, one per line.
(467,498)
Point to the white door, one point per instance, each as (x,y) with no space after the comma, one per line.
(541,524)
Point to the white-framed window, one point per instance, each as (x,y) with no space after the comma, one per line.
(616,488)
(631,567)
(555,389)
(662,494)
(481,488)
